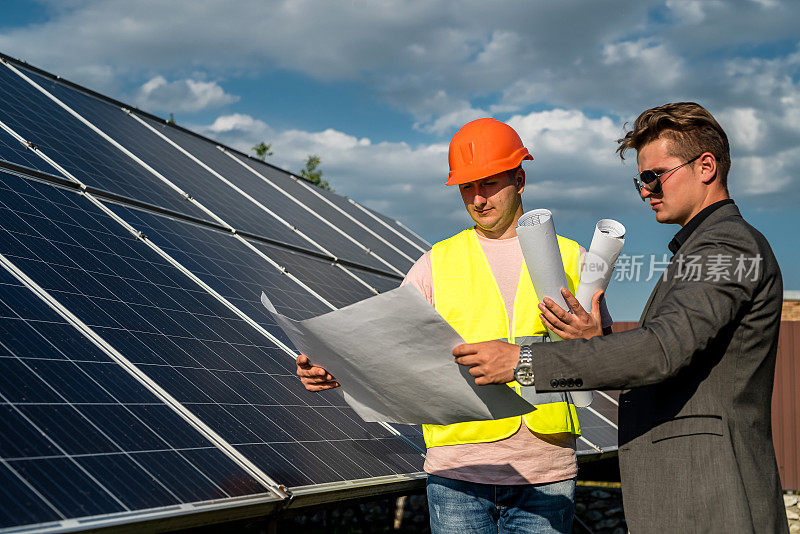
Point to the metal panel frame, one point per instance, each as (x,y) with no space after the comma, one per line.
(314,190)
(394,230)
(254,201)
(305,207)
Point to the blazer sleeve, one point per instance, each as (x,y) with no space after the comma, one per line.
(688,317)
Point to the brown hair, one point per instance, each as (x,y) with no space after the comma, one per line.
(690,127)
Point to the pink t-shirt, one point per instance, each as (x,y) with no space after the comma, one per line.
(525,457)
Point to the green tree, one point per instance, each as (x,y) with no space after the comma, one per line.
(263,150)
(313,174)
(171,118)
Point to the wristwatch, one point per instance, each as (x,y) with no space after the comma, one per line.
(523,372)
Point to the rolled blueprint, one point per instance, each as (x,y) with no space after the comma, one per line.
(599,262)
(537,238)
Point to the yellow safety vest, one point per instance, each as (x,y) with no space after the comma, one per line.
(467,296)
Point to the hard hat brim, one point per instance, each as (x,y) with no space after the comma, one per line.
(463,176)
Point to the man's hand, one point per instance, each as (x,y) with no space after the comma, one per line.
(314,378)
(490,362)
(576,324)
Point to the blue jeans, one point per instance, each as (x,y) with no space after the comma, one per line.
(458,507)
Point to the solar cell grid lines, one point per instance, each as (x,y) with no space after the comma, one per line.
(225,263)
(398,228)
(337,210)
(78,149)
(15,151)
(186,341)
(409,252)
(380,282)
(168,161)
(81,437)
(310,200)
(308,223)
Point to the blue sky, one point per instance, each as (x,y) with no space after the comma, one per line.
(377,89)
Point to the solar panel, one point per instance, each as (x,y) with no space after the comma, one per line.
(140,376)
(81,436)
(332,207)
(15,151)
(379,281)
(309,223)
(390,239)
(233,377)
(240,274)
(399,228)
(78,149)
(192,178)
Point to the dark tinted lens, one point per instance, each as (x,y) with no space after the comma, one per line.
(647,176)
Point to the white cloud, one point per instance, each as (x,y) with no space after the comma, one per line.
(744,127)
(589,55)
(592,65)
(158,94)
(575,165)
(693,11)
(651,61)
(759,176)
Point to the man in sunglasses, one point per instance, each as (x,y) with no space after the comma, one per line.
(695,441)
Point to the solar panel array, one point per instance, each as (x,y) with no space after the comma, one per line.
(140,377)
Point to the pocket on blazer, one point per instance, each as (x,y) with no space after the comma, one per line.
(689,425)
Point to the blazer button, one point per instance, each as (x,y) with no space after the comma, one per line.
(570,382)
(578,382)
(554,383)
(562,382)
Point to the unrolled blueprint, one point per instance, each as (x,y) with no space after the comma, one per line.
(392,356)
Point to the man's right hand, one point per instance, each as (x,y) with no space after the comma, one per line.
(314,378)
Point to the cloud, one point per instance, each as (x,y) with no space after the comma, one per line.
(502,56)
(744,128)
(158,94)
(764,176)
(575,166)
(566,75)
(693,11)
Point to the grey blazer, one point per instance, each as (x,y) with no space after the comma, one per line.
(695,437)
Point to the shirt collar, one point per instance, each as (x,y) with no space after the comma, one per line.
(687,230)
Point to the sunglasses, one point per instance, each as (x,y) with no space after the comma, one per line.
(651,180)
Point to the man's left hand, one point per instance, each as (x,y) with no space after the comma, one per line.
(490,362)
(572,325)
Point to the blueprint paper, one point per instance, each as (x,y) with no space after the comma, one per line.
(599,262)
(598,266)
(392,356)
(537,238)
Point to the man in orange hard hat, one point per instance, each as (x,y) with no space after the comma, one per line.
(515,474)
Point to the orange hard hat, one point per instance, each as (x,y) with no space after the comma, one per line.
(482,148)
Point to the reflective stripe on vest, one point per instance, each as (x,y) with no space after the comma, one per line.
(467,296)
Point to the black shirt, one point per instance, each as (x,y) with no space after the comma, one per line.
(684,233)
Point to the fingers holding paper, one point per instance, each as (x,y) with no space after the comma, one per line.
(314,378)
(579,323)
(490,362)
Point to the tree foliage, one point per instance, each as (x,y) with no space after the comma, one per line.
(263,150)
(313,174)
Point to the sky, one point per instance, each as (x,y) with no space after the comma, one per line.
(378,88)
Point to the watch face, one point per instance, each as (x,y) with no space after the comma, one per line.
(524,375)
